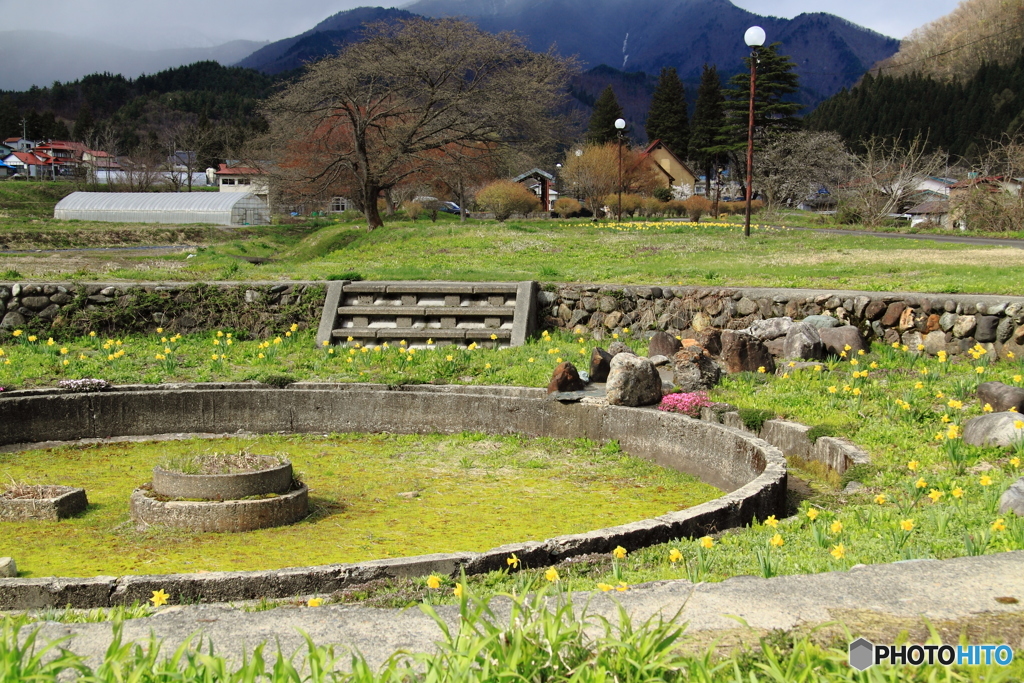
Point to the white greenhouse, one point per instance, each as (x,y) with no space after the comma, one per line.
(217,208)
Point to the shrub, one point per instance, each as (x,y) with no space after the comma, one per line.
(676,207)
(754,418)
(505,198)
(352,276)
(696,207)
(565,206)
(663,194)
(685,403)
(630,203)
(412,209)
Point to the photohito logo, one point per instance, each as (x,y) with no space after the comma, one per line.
(865,654)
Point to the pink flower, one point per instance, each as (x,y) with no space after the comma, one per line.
(685,403)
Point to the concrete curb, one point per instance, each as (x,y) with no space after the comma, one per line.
(752,471)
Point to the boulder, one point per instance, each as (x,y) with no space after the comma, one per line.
(565,378)
(803,341)
(964,326)
(836,339)
(935,342)
(633,381)
(986,329)
(947,320)
(618,347)
(693,370)
(742,352)
(663,344)
(994,429)
(773,328)
(36,303)
(874,310)
(1002,397)
(776,346)
(600,364)
(12,321)
(660,360)
(893,313)
(1012,500)
(711,340)
(821,321)
(8,569)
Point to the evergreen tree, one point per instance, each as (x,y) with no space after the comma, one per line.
(84,124)
(667,120)
(10,121)
(602,121)
(706,144)
(776,80)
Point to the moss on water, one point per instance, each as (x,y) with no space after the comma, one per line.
(474,492)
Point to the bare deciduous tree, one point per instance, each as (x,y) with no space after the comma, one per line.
(995,202)
(593,174)
(886,176)
(790,166)
(370,117)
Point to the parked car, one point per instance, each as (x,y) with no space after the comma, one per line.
(430,203)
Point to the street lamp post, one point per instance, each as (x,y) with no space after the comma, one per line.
(754,38)
(619,125)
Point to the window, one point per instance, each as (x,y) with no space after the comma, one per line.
(338,204)
(244,181)
(227,181)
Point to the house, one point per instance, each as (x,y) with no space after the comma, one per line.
(5,149)
(934,211)
(539,182)
(30,164)
(235,178)
(7,171)
(936,185)
(672,171)
(20,144)
(960,193)
(66,156)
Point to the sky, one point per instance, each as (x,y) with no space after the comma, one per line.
(201,23)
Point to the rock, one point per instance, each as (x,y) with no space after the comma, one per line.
(565,378)
(906,320)
(12,321)
(853,487)
(579,317)
(663,344)
(773,328)
(893,313)
(821,321)
(986,329)
(931,323)
(947,320)
(1001,397)
(711,340)
(611,321)
(50,312)
(859,304)
(564,312)
(746,306)
(693,370)
(994,429)
(36,303)
(1012,500)
(935,342)
(409,494)
(8,569)
(742,352)
(913,341)
(964,326)
(1004,330)
(607,304)
(618,347)
(836,339)
(633,381)
(62,298)
(700,321)
(600,364)
(776,346)
(803,341)
(659,360)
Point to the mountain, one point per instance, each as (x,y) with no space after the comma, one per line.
(323,39)
(644,35)
(40,57)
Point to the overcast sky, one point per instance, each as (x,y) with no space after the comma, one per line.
(196,23)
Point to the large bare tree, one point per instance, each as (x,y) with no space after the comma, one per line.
(789,167)
(376,113)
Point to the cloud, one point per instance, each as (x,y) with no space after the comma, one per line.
(894,18)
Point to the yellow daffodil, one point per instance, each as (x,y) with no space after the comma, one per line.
(449,358)
(957,493)
(935,495)
(1015,461)
(907,524)
(159,598)
(920,483)
(873,366)
(913,465)
(836,527)
(771,521)
(761,369)
(605,587)
(18,333)
(999,525)
(32,337)
(985,480)
(945,419)
(458,590)
(777,541)
(487,366)
(314,602)
(674,555)
(512,561)
(622,587)
(433,582)
(551,574)
(856,391)
(707,542)
(838,552)
(832,389)
(812,514)
(987,408)
(619,552)
(980,370)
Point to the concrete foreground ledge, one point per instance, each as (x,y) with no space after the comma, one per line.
(939,591)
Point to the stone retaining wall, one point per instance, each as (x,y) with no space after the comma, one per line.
(949,322)
(260,308)
(751,470)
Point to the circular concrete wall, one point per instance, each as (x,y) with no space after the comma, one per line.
(274,479)
(751,472)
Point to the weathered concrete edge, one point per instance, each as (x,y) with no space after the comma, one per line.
(791,438)
(524,320)
(763,495)
(332,300)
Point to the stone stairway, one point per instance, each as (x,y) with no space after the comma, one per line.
(488,313)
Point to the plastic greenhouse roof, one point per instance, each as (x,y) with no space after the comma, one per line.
(152,201)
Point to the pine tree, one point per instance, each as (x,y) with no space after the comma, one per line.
(602,121)
(776,79)
(667,120)
(706,144)
(84,124)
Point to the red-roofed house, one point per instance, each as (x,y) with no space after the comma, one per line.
(231,178)
(30,164)
(20,144)
(672,171)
